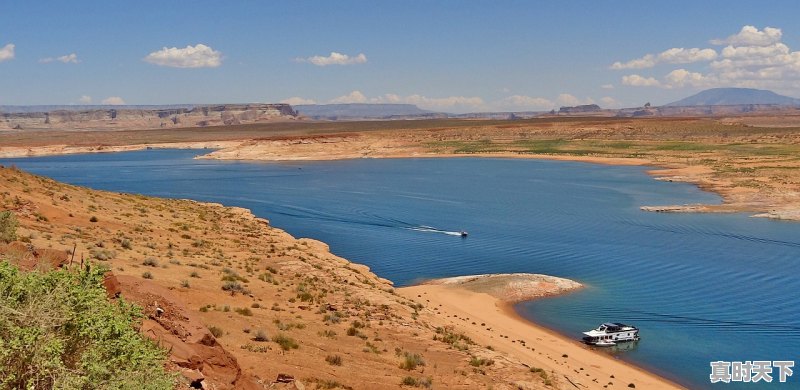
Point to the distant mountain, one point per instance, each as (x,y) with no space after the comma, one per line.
(735,96)
(360,110)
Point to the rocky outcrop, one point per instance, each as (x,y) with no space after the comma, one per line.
(193,350)
(28,257)
(146,118)
(580,109)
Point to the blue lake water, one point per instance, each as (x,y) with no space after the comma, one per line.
(701,287)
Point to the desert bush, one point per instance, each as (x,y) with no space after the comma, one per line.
(93,219)
(326,384)
(58,330)
(150,262)
(230,275)
(216,331)
(245,311)
(147,275)
(285,342)
(102,254)
(414,382)
(411,361)
(234,287)
(333,318)
(334,360)
(477,362)
(8,226)
(458,341)
(261,335)
(266,277)
(255,348)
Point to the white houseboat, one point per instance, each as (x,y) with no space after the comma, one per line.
(611,333)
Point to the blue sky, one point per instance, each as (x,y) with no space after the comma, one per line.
(451,56)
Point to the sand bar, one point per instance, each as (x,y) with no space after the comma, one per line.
(481,307)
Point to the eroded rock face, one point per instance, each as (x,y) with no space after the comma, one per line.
(194,351)
(121,118)
(111,284)
(27,257)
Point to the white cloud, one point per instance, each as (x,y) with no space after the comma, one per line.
(773,50)
(609,102)
(683,77)
(526,102)
(443,103)
(566,99)
(113,101)
(679,55)
(7,52)
(648,61)
(636,80)
(607,86)
(352,97)
(335,59)
(753,58)
(296,100)
(676,55)
(752,36)
(458,103)
(85,99)
(199,56)
(71,58)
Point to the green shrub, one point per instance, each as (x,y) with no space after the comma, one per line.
(58,330)
(8,226)
(285,342)
(477,362)
(147,275)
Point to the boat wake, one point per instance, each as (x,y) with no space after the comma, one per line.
(431,229)
(354,217)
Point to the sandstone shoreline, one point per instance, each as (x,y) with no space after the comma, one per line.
(482,307)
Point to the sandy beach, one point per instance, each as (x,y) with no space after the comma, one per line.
(488,319)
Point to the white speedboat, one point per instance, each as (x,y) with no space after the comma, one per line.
(611,333)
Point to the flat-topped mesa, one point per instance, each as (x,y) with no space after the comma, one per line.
(146,117)
(512,288)
(579,109)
